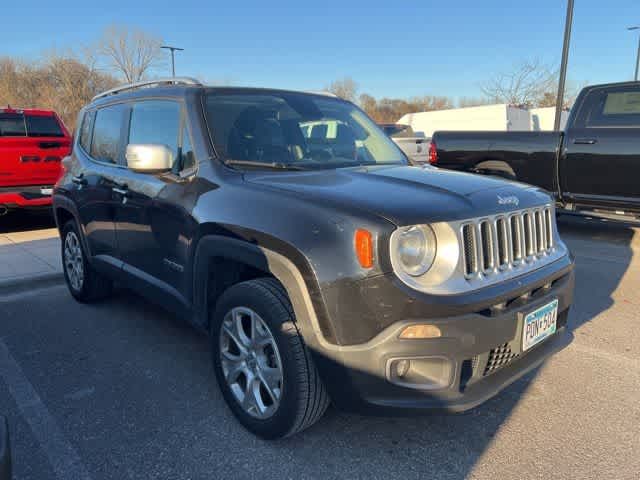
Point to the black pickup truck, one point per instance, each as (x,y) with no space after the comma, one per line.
(593,167)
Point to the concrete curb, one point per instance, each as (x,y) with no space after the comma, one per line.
(13,285)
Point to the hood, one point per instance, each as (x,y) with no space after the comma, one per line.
(406,195)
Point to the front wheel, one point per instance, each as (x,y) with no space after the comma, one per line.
(264,369)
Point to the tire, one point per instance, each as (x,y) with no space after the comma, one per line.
(92,286)
(302,397)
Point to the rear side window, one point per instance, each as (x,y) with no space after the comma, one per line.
(619,108)
(105,146)
(156,122)
(43,126)
(12,125)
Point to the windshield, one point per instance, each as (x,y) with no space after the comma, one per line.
(301,130)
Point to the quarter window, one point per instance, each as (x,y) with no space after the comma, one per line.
(105,146)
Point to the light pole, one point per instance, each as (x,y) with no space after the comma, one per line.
(638,56)
(173,61)
(563,65)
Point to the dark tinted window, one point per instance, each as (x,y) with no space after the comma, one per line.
(156,122)
(12,125)
(295,128)
(85,131)
(43,126)
(105,146)
(614,108)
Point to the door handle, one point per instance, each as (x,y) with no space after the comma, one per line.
(79,180)
(585,141)
(121,190)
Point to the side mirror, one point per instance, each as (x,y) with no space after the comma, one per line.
(149,158)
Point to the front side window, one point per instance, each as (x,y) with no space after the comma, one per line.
(297,129)
(156,122)
(105,146)
(615,109)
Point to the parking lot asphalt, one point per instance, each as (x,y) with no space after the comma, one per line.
(123,390)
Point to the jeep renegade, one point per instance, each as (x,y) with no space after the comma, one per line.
(292,230)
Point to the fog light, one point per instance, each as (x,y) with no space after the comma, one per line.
(422,373)
(421,331)
(402,367)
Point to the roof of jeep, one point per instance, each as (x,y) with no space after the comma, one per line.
(183,91)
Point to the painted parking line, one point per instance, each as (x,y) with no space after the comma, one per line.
(64,459)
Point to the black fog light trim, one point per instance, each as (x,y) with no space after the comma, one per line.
(421,373)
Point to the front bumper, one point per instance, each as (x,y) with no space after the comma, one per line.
(26,197)
(483,350)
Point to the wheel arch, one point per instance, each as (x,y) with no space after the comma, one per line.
(63,211)
(260,261)
(494,166)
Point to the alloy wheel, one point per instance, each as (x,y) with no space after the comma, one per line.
(73,261)
(251,362)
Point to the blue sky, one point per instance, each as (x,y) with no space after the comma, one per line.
(397,49)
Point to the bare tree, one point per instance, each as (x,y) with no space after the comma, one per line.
(71,83)
(130,53)
(345,88)
(525,85)
(60,82)
(465,102)
(389,110)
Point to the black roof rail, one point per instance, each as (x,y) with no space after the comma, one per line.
(147,84)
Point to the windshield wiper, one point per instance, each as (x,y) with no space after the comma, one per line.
(256,164)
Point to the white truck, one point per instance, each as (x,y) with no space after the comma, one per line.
(414,145)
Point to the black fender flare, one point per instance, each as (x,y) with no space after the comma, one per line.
(65,203)
(263,259)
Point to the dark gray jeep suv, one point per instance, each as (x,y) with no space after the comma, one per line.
(288,227)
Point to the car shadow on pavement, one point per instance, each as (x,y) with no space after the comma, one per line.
(26,220)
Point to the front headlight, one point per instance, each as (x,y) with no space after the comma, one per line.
(414,249)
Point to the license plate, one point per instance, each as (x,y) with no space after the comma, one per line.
(539,325)
(46,191)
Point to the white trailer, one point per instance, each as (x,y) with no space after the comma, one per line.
(499,118)
(542,119)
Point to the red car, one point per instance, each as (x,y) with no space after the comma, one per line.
(32,146)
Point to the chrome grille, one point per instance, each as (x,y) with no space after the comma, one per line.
(469,248)
(502,232)
(504,241)
(517,239)
(488,254)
